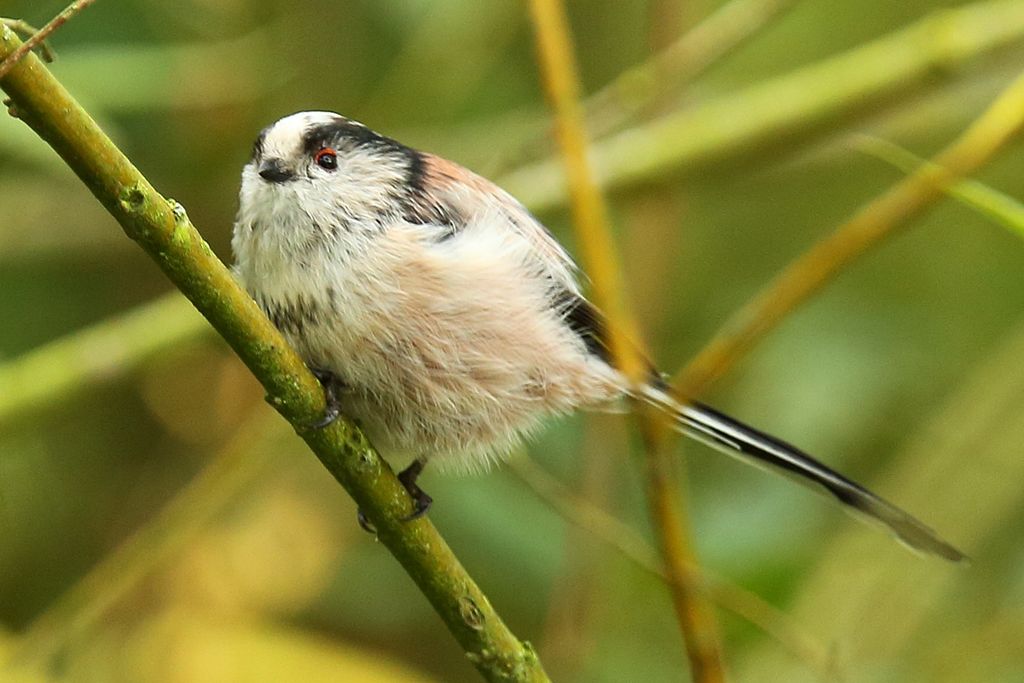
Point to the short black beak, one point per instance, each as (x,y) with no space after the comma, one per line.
(274,170)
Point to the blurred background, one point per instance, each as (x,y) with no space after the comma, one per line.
(160,523)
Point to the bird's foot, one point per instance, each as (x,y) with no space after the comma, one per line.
(333,389)
(421,501)
(364,523)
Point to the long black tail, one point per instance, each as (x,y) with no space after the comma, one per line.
(719,431)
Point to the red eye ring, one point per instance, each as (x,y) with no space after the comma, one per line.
(326,158)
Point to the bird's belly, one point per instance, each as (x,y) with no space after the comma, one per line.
(442,376)
(463,410)
(413,406)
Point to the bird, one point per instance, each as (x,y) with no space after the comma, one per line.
(445,319)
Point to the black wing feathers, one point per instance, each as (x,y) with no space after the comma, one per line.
(587,322)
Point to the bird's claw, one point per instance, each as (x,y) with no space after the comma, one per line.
(364,523)
(421,500)
(331,413)
(332,387)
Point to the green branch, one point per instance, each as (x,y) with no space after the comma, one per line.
(162,229)
(997,206)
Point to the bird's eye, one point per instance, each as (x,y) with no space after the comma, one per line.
(326,158)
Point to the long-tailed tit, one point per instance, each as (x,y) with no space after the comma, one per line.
(449,319)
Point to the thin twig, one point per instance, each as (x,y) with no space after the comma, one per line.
(42,34)
(161,227)
(27,30)
(877,220)
(579,511)
(997,206)
(554,44)
(588,207)
(665,493)
(579,605)
(608,529)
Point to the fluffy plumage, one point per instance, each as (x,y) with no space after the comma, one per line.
(453,318)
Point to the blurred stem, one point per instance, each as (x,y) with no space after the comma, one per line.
(110,348)
(605,527)
(559,71)
(665,491)
(162,229)
(578,605)
(805,100)
(579,511)
(638,88)
(993,204)
(590,214)
(877,220)
(39,37)
(190,511)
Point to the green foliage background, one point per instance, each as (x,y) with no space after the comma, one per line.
(905,372)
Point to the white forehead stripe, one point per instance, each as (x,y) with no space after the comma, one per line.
(285,136)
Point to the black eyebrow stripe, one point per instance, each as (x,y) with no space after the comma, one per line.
(257,145)
(344,131)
